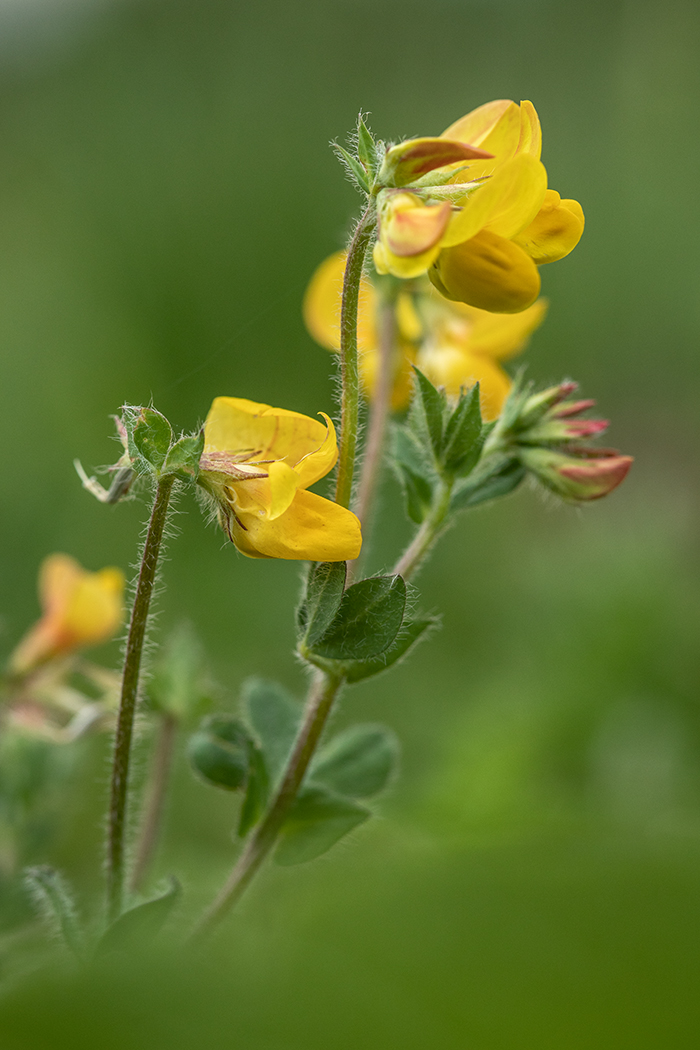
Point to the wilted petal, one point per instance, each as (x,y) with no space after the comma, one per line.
(489,272)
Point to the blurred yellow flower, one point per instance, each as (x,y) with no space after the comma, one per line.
(80,609)
(258,463)
(455,345)
(483,243)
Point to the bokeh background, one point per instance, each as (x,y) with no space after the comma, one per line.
(166,189)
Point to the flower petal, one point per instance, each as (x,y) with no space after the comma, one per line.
(476,126)
(489,272)
(508,201)
(321,308)
(402,385)
(315,465)
(501,336)
(555,230)
(411,227)
(311,529)
(408,160)
(530,131)
(455,369)
(235,424)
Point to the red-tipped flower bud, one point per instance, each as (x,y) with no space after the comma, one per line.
(577,480)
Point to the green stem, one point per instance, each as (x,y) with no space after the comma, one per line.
(322,693)
(348,355)
(152,817)
(129,695)
(427,534)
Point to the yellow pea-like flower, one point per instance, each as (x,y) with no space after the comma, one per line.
(455,345)
(503,222)
(80,609)
(257,465)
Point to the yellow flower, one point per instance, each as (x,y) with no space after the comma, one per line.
(455,345)
(482,245)
(258,463)
(80,608)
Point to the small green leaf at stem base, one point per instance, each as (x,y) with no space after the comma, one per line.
(367,622)
(357,763)
(428,411)
(275,718)
(140,925)
(324,591)
(356,169)
(257,792)
(411,632)
(184,456)
(464,436)
(316,821)
(491,483)
(220,752)
(152,436)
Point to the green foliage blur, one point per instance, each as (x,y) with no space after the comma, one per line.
(166,190)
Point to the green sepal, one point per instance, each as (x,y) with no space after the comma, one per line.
(357,763)
(317,820)
(427,415)
(464,437)
(367,149)
(184,456)
(414,471)
(354,166)
(179,685)
(411,632)
(275,718)
(139,924)
(418,493)
(220,752)
(324,591)
(367,622)
(495,480)
(55,903)
(152,436)
(257,792)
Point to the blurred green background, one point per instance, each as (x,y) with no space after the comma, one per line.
(166,190)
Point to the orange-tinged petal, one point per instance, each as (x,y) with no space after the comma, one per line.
(555,230)
(321,307)
(235,424)
(454,369)
(409,160)
(311,529)
(502,336)
(412,228)
(530,131)
(487,271)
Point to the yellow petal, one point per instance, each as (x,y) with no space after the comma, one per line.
(404,266)
(58,574)
(454,369)
(411,227)
(407,319)
(321,307)
(502,336)
(489,272)
(94,610)
(311,529)
(494,127)
(235,424)
(530,131)
(555,230)
(315,465)
(508,201)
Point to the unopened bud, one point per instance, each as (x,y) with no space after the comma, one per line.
(577,480)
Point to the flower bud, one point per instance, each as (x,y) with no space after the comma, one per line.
(577,480)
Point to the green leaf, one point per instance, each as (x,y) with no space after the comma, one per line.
(324,591)
(428,411)
(142,923)
(355,167)
(184,456)
(463,435)
(179,685)
(497,480)
(417,491)
(257,792)
(54,901)
(153,436)
(367,622)
(357,763)
(220,751)
(316,821)
(366,148)
(275,717)
(411,632)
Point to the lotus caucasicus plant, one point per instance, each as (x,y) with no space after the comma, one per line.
(456,227)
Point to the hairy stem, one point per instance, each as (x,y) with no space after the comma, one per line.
(417,550)
(129,695)
(379,413)
(155,799)
(348,355)
(322,693)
